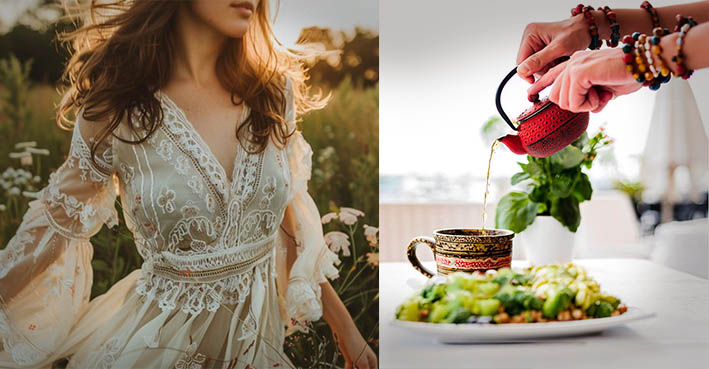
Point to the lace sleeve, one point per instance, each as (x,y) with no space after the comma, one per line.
(313,261)
(45,270)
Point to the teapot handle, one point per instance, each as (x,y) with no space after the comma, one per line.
(497,97)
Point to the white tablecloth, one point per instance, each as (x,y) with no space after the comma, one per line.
(677,337)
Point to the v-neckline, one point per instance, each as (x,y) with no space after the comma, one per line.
(198,137)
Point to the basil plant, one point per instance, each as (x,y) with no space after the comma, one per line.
(556,185)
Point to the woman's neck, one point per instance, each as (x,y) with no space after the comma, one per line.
(197,48)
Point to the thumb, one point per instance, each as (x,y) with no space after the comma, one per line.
(537,61)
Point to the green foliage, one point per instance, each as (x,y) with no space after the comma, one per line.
(555,186)
(344,137)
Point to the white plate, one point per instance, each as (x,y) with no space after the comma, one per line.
(463,333)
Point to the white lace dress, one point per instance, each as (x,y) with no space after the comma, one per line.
(218,287)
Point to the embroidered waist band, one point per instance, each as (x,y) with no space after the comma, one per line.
(210,267)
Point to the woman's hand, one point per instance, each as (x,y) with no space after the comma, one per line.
(587,81)
(544,43)
(357,353)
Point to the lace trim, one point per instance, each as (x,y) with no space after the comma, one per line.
(187,138)
(202,290)
(82,153)
(88,215)
(303,297)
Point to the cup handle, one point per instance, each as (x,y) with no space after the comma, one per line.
(411,253)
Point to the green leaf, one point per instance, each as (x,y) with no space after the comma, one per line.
(532,168)
(582,189)
(515,212)
(519,177)
(566,211)
(568,157)
(561,186)
(540,194)
(541,208)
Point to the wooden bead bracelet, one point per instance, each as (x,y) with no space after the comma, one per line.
(592,28)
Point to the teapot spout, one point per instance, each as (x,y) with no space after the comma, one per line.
(513,143)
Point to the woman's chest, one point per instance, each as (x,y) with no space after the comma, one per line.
(179,198)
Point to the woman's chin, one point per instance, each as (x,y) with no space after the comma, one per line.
(235,29)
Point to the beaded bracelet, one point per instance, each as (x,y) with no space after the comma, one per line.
(637,48)
(653,44)
(682,70)
(653,13)
(681,21)
(614,25)
(592,28)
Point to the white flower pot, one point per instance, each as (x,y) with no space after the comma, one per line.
(546,241)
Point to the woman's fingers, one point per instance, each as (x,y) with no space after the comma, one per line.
(372,360)
(537,61)
(563,79)
(546,80)
(581,95)
(604,97)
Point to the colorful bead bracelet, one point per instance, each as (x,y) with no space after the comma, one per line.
(637,56)
(686,24)
(653,13)
(614,25)
(592,28)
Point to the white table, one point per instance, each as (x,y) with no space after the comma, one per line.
(677,337)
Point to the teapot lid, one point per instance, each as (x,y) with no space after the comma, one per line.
(536,108)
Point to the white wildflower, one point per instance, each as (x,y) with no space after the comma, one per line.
(14,191)
(329,217)
(338,241)
(33,150)
(372,235)
(349,215)
(19,155)
(30,195)
(36,179)
(22,145)
(3,207)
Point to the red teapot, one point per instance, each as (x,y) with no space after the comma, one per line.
(544,128)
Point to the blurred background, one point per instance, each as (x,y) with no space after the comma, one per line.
(344,138)
(441,64)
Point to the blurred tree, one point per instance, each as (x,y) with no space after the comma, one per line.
(358,59)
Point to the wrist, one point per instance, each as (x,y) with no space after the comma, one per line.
(668,43)
(604,29)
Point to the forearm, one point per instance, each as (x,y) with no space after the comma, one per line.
(334,311)
(696,53)
(638,20)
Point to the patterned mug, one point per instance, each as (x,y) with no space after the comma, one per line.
(464,250)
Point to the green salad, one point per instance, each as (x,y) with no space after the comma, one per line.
(555,292)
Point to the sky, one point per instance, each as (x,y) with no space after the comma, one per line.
(440,65)
(294,15)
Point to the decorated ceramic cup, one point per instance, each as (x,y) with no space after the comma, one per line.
(464,250)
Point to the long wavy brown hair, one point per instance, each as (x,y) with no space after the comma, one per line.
(119,42)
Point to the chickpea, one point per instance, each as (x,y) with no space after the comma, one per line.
(502,318)
(577,314)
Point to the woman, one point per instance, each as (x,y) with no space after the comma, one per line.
(590,79)
(193,109)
